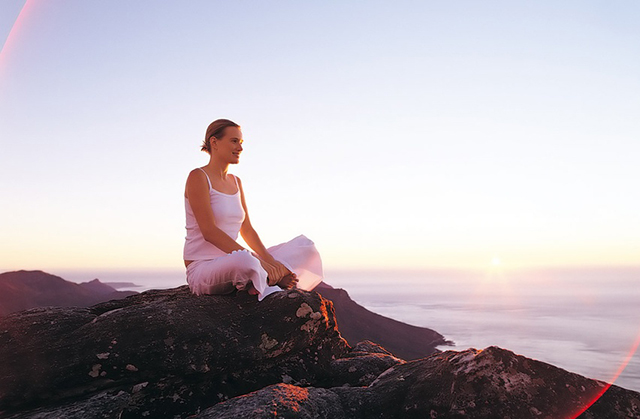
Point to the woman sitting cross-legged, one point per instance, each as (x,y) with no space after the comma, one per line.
(216,213)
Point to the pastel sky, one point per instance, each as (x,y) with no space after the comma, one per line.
(394,134)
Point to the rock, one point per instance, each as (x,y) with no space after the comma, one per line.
(170,353)
(357,324)
(22,290)
(360,370)
(193,351)
(615,402)
(363,364)
(279,401)
(493,383)
(104,405)
(490,383)
(366,346)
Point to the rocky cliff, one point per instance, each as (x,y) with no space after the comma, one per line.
(357,324)
(21,290)
(173,354)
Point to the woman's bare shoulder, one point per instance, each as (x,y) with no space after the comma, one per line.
(197,180)
(197,174)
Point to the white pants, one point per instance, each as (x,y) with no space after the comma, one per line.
(236,270)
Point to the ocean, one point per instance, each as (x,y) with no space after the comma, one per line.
(584,320)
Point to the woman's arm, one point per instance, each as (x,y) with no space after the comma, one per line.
(275,269)
(249,234)
(197,191)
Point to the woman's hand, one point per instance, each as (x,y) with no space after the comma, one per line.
(281,270)
(275,271)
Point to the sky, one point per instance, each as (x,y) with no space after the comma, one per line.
(406,134)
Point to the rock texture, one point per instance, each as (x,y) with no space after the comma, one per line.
(493,383)
(356,324)
(171,354)
(172,351)
(21,290)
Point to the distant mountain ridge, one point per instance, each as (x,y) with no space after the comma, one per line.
(357,324)
(22,290)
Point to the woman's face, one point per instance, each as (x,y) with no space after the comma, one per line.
(229,146)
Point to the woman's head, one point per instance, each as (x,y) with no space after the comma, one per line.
(216,129)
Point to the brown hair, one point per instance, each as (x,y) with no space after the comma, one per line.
(216,129)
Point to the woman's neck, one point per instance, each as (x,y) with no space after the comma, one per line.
(217,169)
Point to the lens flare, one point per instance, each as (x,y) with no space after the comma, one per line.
(610,382)
(9,43)
(500,286)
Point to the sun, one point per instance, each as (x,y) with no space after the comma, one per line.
(496,261)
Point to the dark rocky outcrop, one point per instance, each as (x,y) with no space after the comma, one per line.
(357,324)
(170,353)
(493,383)
(361,366)
(280,401)
(22,290)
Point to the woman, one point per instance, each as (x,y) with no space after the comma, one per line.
(216,212)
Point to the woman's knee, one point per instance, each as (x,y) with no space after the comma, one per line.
(246,261)
(223,275)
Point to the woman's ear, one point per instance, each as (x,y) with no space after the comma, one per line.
(212,143)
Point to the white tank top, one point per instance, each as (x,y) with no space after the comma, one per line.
(228,215)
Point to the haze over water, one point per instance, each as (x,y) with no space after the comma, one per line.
(583,320)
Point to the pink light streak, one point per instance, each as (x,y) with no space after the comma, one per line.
(615,376)
(10,42)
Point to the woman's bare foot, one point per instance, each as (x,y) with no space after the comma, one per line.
(251,289)
(288,281)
